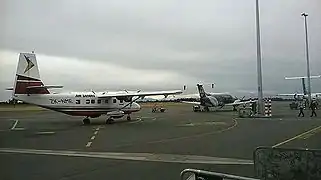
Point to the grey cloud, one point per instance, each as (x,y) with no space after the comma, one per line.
(208,40)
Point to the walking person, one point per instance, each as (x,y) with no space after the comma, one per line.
(313,107)
(301,107)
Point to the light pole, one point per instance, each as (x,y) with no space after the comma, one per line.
(307,54)
(259,63)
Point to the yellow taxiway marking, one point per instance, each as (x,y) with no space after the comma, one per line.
(297,136)
(93,137)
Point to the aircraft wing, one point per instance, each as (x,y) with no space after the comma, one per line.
(291,94)
(302,77)
(139,94)
(191,102)
(240,102)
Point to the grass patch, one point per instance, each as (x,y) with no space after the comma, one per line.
(20,107)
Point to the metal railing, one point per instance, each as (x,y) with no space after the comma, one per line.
(196,174)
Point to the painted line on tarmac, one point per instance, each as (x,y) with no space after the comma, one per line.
(89,143)
(169,158)
(296,137)
(45,132)
(202,124)
(14,125)
(184,137)
(197,135)
(137,121)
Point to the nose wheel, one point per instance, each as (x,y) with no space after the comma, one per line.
(129,118)
(86,121)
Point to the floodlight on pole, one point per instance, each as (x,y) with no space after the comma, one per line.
(259,63)
(307,55)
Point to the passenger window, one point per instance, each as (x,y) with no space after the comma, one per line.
(87,101)
(92,101)
(114,100)
(106,101)
(99,101)
(77,101)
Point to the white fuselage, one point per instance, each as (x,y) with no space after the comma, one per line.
(79,104)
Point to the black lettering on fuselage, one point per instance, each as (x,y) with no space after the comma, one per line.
(61,101)
(88,95)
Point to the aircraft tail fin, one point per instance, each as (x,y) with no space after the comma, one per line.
(201,90)
(303,87)
(27,76)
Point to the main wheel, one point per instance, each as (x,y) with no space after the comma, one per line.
(109,121)
(86,121)
(207,109)
(129,118)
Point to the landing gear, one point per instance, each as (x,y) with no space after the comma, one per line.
(129,118)
(109,120)
(207,109)
(86,121)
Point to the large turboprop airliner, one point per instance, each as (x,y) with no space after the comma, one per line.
(208,100)
(29,88)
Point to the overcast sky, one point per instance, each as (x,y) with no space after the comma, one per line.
(148,44)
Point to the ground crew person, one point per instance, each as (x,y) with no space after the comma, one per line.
(313,107)
(301,107)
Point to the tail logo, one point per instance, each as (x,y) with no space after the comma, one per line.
(30,64)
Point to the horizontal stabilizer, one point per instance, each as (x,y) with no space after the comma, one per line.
(240,102)
(47,86)
(302,77)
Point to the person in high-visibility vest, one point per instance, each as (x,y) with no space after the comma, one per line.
(301,107)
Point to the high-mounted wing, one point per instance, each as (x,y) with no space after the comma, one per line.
(302,77)
(139,94)
(291,94)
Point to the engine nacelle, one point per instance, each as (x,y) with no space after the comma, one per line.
(116,114)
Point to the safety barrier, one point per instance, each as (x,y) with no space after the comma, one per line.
(267,108)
